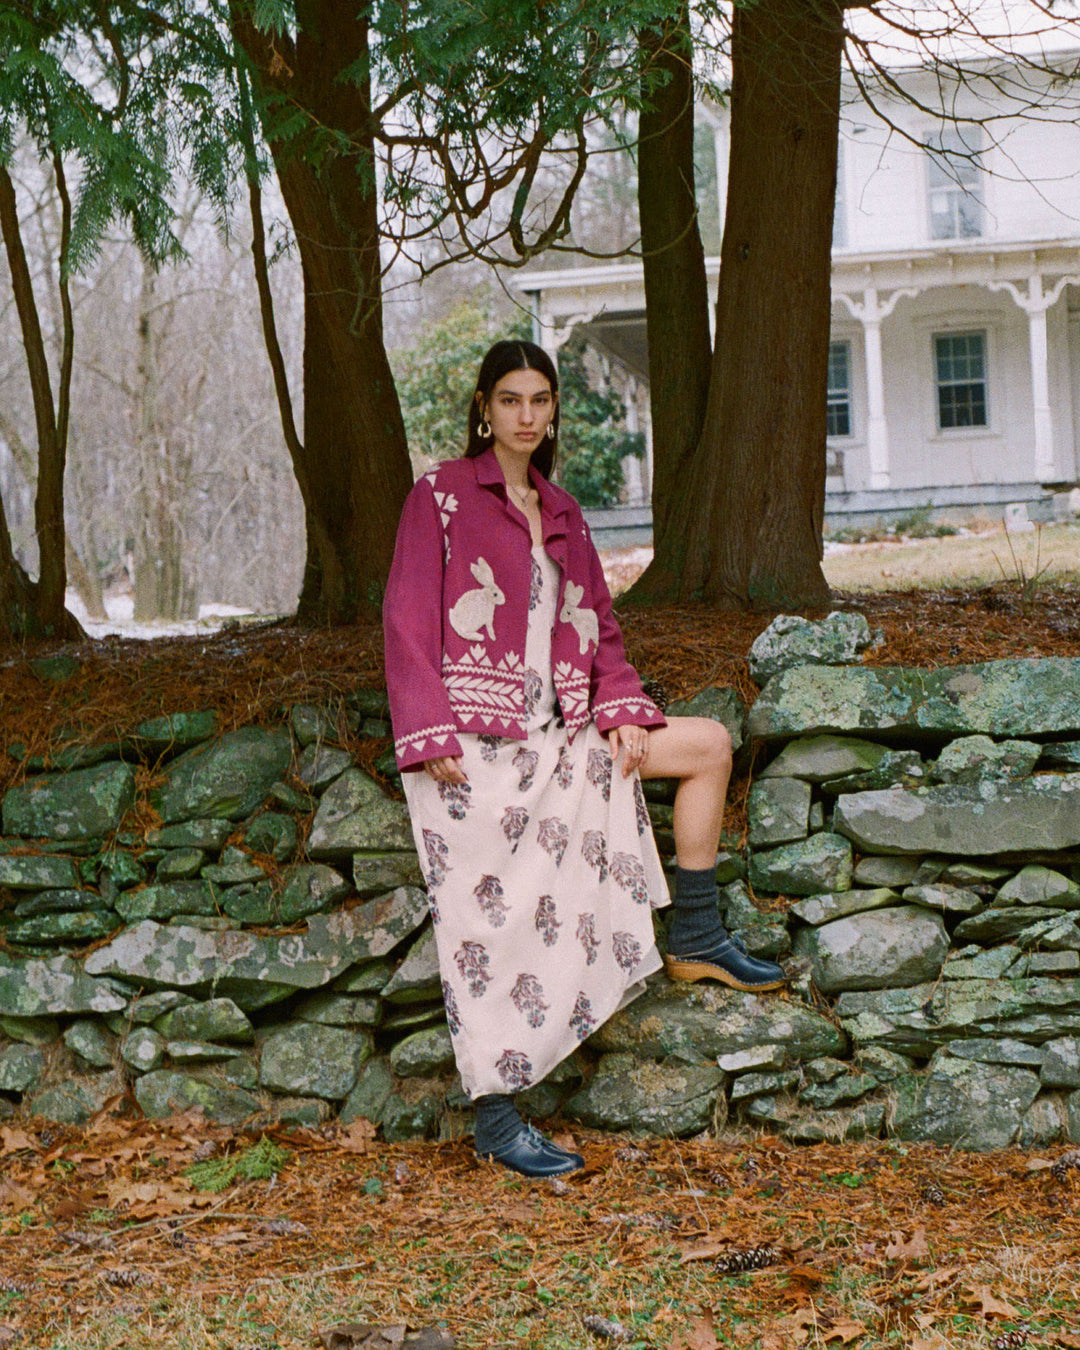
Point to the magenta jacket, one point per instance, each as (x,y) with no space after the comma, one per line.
(457,607)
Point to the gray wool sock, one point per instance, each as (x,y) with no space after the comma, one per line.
(695,923)
(497,1122)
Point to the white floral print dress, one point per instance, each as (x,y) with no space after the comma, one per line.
(542,875)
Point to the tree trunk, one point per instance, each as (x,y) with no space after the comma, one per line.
(752,506)
(35,608)
(676,293)
(354,450)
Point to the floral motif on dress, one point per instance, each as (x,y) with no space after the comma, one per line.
(553,837)
(582,1020)
(641,811)
(455,797)
(627,950)
(629,872)
(527,996)
(564,770)
(437,853)
(536,584)
(586,935)
(525,761)
(547,925)
(489,747)
(450,1003)
(489,894)
(598,772)
(515,1069)
(514,820)
(534,687)
(594,851)
(471,959)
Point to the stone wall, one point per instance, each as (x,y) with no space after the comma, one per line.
(237,921)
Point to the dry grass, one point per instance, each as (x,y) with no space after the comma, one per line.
(964,561)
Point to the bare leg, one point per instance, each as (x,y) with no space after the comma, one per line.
(697,751)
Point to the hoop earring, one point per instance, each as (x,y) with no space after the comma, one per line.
(484,429)
(550,432)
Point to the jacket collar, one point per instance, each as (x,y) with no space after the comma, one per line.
(489,474)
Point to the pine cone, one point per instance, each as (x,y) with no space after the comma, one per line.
(10,1286)
(605,1327)
(932,1194)
(1060,1169)
(1011,1340)
(749,1258)
(657,691)
(125,1278)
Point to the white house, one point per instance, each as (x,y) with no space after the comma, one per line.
(954,375)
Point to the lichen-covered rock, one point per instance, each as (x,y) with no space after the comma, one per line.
(205,833)
(793,641)
(373,1090)
(864,1120)
(999,922)
(999,1050)
(168,1093)
(340,1010)
(889,871)
(999,698)
(423,1054)
(168,900)
(1061,1062)
(237,964)
(978,759)
(416,980)
(778,810)
(722,704)
(1037,885)
(412,1112)
(308,889)
(69,926)
(73,1102)
(92,1043)
(667,1099)
(377,873)
(37,872)
(819,909)
(820,758)
(143,1050)
(21,1068)
(811,866)
(228,777)
(218,1019)
(1038,814)
(309,1060)
(276,834)
(877,949)
(699,1022)
(964,1104)
(179,864)
(920,1019)
(176,731)
(57,984)
(945,899)
(354,816)
(319,765)
(84,804)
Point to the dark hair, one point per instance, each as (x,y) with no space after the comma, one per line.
(503,359)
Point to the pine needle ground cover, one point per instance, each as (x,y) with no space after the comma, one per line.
(108,1243)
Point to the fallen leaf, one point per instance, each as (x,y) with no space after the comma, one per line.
(844,1332)
(14,1141)
(915,1248)
(989,1305)
(357,1136)
(704,1251)
(700,1336)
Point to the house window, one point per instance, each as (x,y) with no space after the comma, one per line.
(838,408)
(960,368)
(954,179)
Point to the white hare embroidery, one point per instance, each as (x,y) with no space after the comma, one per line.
(584,621)
(476,609)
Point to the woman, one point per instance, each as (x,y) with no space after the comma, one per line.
(522,733)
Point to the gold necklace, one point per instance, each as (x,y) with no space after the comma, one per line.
(523,497)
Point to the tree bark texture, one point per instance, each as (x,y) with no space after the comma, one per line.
(676,292)
(35,608)
(752,504)
(356,470)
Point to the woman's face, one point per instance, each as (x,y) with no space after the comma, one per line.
(519,410)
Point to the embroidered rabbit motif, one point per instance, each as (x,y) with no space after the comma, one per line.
(584,621)
(475,610)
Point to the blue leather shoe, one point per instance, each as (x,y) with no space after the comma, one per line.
(730,963)
(534,1156)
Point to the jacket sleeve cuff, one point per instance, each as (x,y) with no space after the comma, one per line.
(414,750)
(630,710)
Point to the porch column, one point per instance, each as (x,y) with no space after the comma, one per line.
(877,429)
(1040,381)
